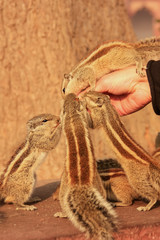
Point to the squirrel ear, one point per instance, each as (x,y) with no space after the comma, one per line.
(99,102)
(66,76)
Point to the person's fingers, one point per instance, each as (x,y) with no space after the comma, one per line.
(118,82)
(129,103)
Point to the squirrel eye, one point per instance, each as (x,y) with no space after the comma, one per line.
(63,90)
(45,120)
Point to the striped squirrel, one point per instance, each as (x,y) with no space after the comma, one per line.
(82,195)
(18,179)
(141,169)
(111,56)
(118,189)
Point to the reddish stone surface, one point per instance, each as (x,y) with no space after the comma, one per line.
(41,224)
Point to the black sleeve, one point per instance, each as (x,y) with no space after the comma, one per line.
(153,74)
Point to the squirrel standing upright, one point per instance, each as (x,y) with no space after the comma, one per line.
(82,195)
(141,169)
(18,179)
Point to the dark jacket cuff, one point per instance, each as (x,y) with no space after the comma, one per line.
(153,74)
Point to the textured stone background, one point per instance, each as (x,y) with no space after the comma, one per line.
(39,42)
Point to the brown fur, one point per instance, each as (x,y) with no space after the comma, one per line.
(115,182)
(18,179)
(109,57)
(82,198)
(142,171)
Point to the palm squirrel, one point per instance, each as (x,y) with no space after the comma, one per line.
(141,169)
(18,179)
(82,195)
(108,57)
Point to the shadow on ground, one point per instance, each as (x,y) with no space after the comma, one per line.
(46,191)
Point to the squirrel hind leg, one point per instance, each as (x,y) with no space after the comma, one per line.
(22,206)
(123,204)
(25,207)
(149,205)
(9,199)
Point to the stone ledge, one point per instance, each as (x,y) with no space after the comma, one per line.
(41,225)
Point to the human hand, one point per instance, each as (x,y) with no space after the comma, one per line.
(127,90)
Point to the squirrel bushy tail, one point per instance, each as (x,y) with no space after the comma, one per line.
(90,212)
